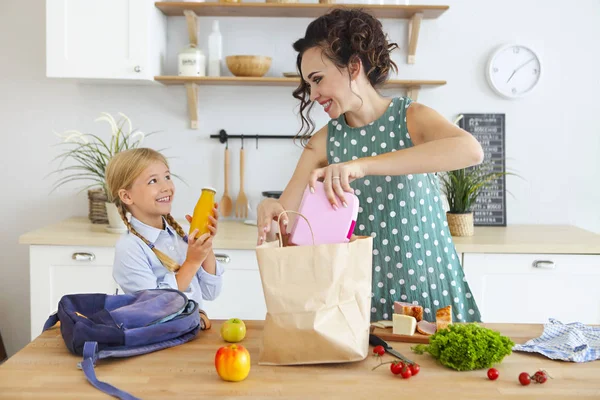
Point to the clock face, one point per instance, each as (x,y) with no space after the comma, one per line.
(514,70)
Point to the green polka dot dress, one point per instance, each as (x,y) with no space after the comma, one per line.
(414,258)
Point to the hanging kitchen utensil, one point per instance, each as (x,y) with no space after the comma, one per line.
(241,204)
(226,204)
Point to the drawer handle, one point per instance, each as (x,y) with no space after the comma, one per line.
(224,258)
(83,256)
(547,264)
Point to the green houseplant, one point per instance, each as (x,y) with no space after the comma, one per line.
(462,187)
(85,159)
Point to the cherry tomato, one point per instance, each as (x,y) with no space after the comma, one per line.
(414,369)
(493,374)
(540,376)
(406,372)
(379,350)
(396,367)
(524,378)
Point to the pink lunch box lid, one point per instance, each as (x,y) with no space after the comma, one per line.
(328,225)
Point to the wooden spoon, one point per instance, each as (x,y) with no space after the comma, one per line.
(241,204)
(226,205)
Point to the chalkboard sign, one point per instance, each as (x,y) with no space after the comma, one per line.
(489,130)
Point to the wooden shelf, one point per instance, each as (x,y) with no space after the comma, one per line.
(294,10)
(192,10)
(192,82)
(275,81)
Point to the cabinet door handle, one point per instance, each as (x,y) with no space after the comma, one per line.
(83,256)
(547,264)
(137,68)
(224,258)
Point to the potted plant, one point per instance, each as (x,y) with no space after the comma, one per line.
(87,156)
(462,187)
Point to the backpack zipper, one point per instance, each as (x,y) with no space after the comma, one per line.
(80,315)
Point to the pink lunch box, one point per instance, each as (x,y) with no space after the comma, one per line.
(328,225)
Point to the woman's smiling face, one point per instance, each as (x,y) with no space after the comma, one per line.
(330,86)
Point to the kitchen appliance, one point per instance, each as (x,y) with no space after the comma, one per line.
(272,194)
(328,225)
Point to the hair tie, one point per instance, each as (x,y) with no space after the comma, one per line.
(185,238)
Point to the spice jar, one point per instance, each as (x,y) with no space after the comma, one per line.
(192,62)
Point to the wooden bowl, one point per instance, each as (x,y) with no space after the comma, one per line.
(255,66)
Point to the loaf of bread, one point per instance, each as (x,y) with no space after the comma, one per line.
(443,317)
(408,309)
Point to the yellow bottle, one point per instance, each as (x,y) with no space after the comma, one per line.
(202,211)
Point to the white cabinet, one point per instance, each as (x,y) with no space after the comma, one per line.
(59,270)
(530,288)
(113,40)
(242,295)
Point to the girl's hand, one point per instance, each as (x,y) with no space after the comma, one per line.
(198,249)
(269,210)
(214,220)
(336,180)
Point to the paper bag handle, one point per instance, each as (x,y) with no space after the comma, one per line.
(297,213)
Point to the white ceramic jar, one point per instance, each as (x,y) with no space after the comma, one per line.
(192,62)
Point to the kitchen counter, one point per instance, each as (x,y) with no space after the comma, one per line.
(79,231)
(548,239)
(45,369)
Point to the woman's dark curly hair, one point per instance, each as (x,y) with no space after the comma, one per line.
(344,35)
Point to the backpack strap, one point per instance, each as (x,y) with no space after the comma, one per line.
(51,321)
(90,355)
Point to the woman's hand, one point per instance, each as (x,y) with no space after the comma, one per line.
(269,210)
(336,180)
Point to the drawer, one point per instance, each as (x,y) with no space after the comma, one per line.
(237,259)
(74,255)
(531,288)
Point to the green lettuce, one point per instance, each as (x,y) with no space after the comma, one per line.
(466,347)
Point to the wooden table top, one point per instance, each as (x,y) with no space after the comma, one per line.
(45,369)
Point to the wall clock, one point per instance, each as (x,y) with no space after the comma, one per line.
(514,70)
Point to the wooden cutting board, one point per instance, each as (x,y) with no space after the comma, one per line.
(387,335)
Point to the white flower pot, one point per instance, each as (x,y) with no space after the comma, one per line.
(115,222)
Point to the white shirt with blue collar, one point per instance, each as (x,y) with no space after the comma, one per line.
(136,267)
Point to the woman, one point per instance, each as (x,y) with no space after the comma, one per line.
(385,151)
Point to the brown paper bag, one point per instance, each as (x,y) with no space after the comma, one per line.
(318,301)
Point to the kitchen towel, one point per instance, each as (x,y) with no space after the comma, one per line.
(569,342)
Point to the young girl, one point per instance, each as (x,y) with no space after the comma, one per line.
(156,252)
(388,149)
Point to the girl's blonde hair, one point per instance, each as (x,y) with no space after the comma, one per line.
(121,171)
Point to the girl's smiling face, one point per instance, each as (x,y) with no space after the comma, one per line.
(330,86)
(151,194)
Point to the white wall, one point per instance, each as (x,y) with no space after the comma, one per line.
(553,138)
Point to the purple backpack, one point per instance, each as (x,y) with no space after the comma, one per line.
(98,326)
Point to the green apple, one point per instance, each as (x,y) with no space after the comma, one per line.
(233,330)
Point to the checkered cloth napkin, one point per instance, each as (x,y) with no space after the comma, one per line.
(569,342)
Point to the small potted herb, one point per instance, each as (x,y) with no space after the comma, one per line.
(462,187)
